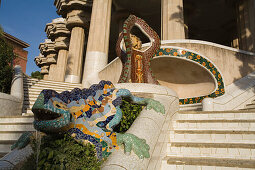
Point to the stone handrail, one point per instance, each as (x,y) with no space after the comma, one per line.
(237,95)
(15,158)
(11,104)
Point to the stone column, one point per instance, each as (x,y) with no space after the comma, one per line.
(41,62)
(172,20)
(47,49)
(77,13)
(58,32)
(98,41)
(246,25)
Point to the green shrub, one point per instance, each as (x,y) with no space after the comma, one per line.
(37,75)
(63,153)
(130,111)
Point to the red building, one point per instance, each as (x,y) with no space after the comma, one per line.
(18,49)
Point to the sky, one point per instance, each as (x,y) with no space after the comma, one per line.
(26,20)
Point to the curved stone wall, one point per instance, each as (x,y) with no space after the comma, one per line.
(187,78)
(233,63)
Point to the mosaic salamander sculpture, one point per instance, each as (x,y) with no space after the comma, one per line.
(135,60)
(89,115)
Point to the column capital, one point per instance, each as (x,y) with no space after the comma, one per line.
(48,50)
(62,43)
(40,60)
(65,6)
(47,47)
(77,18)
(57,28)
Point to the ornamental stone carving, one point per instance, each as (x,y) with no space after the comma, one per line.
(57,31)
(77,18)
(39,60)
(76,12)
(47,49)
(65,6)
(57,28)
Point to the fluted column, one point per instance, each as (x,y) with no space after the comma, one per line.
(172,20)
(47,49)
(98,41)
(58,32)
(77,15)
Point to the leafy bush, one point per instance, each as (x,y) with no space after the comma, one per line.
(130,111)
(63,153)
(37,75)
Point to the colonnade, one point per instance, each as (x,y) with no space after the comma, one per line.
(61,57)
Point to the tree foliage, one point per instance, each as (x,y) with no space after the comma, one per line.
(37,75)
(6,70)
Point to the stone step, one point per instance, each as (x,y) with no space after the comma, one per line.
(10,135)
(29,104)
(253,110)
(212,152)
(16,119)
(253,102)
(16,127)
(27,112)
(205,126)
(52,85)
(209,138)
(220,131)
(250,106)
(52,82)
(186,163)
(219,120)
(31,96)
(242,115)
(38,90)
(210,144)
(191,107)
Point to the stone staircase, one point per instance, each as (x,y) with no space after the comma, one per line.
(11,129)
(211,140)
(250,106)
(33,87)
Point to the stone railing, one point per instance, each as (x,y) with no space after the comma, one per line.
(11,104)
(237,95)
(15,158)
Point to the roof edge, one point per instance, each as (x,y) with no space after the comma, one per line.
(18,41)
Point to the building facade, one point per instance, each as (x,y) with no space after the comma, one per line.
(18,49)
